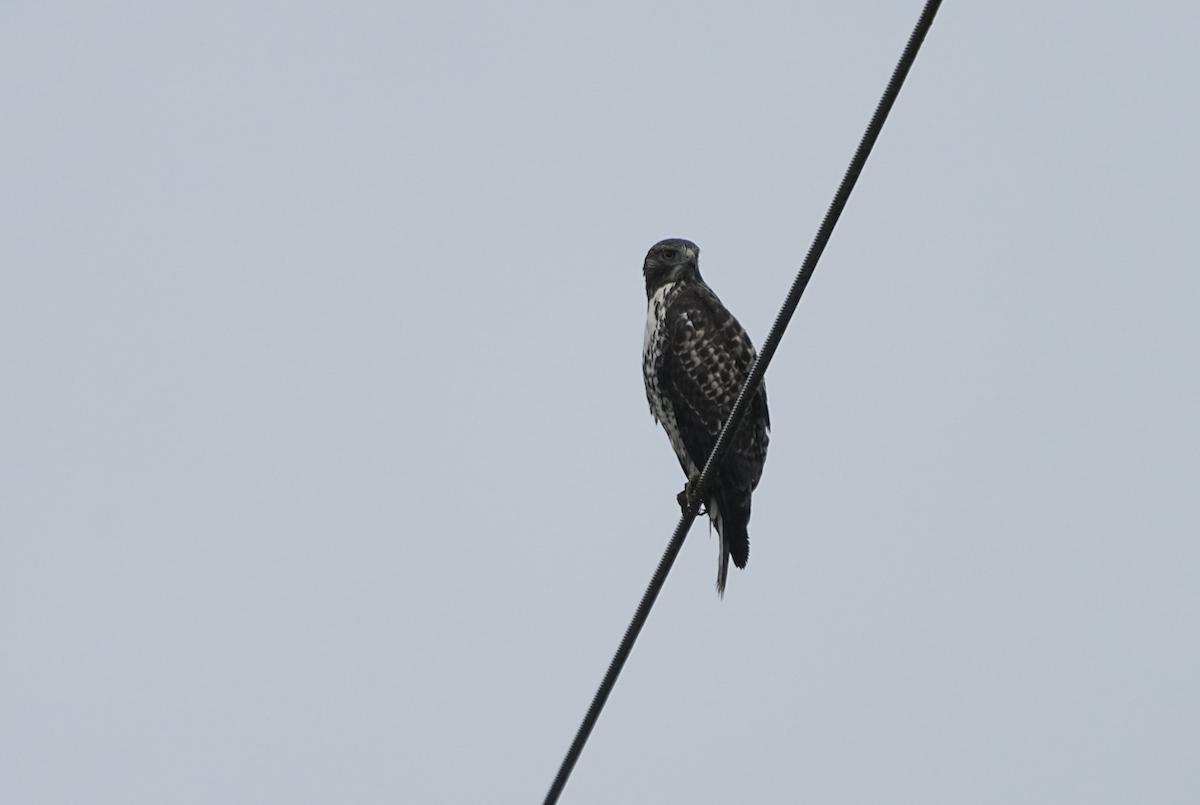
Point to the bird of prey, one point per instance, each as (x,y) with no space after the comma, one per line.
(695,359)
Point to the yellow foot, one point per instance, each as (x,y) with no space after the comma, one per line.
(686,497)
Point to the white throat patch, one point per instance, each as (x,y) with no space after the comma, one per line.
(654,314)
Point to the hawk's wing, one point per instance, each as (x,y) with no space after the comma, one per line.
(705,361)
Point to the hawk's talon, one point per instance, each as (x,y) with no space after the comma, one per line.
(686,499)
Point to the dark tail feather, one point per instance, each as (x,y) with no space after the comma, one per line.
(730,513)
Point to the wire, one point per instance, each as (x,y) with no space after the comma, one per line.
(748,388)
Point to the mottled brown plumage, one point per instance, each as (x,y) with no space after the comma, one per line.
(695,358)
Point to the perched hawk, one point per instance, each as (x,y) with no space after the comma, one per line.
(694,360)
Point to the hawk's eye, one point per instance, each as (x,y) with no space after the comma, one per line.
(669,254)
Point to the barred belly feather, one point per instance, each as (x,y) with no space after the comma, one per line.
(653,346)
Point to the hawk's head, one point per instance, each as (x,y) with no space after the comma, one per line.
(670,261)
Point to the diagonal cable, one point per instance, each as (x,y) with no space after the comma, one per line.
(704,483)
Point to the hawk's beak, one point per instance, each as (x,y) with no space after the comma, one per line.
(690,252)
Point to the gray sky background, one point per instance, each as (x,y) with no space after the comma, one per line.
(327,475)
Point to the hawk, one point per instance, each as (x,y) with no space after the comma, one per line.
(695,358)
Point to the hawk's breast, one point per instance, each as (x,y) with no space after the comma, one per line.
(654,345)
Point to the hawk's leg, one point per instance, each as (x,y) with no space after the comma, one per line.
(686,498)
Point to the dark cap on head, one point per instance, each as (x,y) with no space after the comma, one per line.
(670,260)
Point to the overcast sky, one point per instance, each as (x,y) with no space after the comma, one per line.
(326,470)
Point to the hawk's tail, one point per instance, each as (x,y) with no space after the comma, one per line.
(730,514)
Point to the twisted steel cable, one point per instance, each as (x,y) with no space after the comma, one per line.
(752,382)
